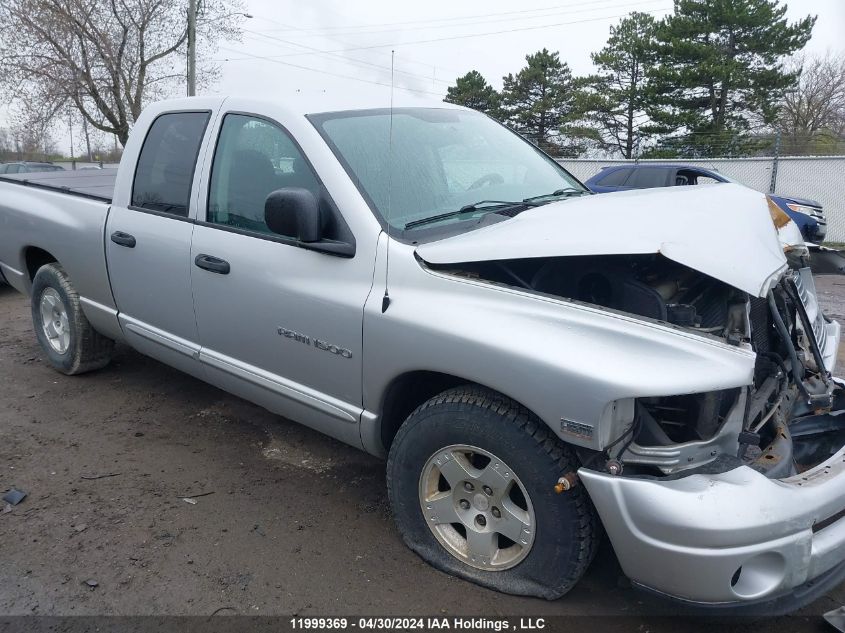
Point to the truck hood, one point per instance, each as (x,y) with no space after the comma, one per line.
(722,230)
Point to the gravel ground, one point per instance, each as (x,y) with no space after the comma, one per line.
(286,521)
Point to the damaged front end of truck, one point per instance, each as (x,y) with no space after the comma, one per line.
(737,497)
(727,498)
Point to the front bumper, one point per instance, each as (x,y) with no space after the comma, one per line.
(726,538)
(781,603)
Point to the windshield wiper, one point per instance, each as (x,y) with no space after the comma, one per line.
(468,208)
(566,191)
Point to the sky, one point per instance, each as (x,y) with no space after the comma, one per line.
(317,46)
(343,46)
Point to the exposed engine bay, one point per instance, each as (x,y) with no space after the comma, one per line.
(779,425)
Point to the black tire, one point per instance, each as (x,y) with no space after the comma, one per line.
(567,527)
(88,349)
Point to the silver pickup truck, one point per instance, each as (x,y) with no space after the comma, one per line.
(538,364)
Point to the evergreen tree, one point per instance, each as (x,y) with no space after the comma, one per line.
(717,62)
(540,99)
(616,98)
(473,91)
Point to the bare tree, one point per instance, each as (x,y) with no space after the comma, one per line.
(813,115)
(31,142)
(108,58)
(7,147)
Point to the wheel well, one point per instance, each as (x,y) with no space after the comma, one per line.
(35,258)
(409,391)
(406,393)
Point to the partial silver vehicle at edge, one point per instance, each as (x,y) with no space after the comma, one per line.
(537,364)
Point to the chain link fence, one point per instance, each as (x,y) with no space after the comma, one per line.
(819,178)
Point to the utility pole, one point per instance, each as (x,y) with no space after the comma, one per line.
(774,182)
(192,48)
(87,137)
(192,41)
(70,130)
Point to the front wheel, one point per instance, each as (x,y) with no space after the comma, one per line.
(70,343)
(471,479)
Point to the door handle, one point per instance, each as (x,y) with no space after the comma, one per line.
(212,264)
(123,239)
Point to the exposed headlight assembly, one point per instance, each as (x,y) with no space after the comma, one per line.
(803,208)
(779,217)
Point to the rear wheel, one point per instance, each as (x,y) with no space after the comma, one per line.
(70,343)
(471,479)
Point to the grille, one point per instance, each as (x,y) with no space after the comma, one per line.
(762,333)
(761,325)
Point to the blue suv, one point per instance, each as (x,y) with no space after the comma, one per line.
(807,214)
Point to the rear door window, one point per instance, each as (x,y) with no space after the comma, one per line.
(615,178)
(165,169)
(647,177)
(704,179)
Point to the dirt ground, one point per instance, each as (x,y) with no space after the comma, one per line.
(286,521)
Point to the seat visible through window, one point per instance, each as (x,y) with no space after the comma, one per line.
(254,158)
(251,177)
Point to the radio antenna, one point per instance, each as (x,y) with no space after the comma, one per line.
(385,300)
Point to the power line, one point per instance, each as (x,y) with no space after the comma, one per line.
(627,5)
(315,51)
(457,37)
(295,28)
(344,58)
(328,72)
(452,18)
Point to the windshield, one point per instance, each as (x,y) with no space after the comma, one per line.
(441,161)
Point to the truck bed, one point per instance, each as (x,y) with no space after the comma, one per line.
(97,184)
(63,214)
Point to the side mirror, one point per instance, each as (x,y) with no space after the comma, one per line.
(294,212)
